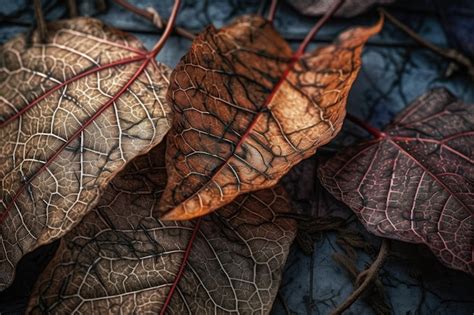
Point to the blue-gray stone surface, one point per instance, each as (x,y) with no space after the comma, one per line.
(395,71)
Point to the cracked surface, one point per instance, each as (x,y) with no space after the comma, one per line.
(121,259)
(416,183)
(394,72)
(243,119)
(73,111)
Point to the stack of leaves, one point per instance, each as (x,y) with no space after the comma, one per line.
(241,110)
(247,110)
(122,259)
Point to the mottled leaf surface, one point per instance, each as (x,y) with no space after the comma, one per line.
(122,259)
(415,182)
(73,111)
(247,110)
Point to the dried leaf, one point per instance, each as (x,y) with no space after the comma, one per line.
(242,119)
(349,8)
(121,259)
(75,109)
(416,182)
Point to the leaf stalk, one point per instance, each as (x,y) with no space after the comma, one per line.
(272,11)
(40,20)
(366,126)
(168,29)
(333,9)
(152,15)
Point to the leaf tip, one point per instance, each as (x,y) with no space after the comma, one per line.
(378,26)
(170,216)
(358,36)
(180,213)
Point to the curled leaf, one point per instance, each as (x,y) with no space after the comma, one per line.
(415,182)
(74,110)
(121,259)
(247,110)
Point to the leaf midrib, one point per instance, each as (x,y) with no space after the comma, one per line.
(147,59)
(292,62)
(427,170)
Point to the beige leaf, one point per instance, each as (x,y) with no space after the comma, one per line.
(121,259)
(74,111)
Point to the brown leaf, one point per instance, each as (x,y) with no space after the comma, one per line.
(416,181)
(121,259)
(74,110)
(243,119)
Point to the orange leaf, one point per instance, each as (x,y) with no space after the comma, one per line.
(247,110)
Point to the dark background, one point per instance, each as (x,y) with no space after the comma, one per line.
(395,71)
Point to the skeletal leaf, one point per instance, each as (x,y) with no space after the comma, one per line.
(244,118)
(74,110)
(415,182)
(121,259)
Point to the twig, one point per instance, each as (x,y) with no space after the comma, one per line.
(152,15)
(283,303)
(448,53)
(261,7)
(329,13)
(310,228)
(72,8)
(40,21)
(272,11)
(364,279)
(101,5)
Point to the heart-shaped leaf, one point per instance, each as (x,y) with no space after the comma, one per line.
(74,110)
(121,259)
(415,181)
(247,110)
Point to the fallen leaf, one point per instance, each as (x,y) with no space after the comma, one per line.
(415,182)
(73,111)
(349,8)
(243,118)
(121,259)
